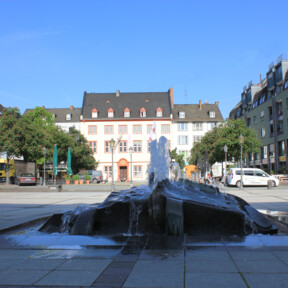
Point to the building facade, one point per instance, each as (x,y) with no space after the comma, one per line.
(128,119)
(191,122)
(264,107)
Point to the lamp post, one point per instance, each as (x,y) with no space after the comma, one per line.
(44,152)
(112,144)
(241,141)
(131,181)
(225,150)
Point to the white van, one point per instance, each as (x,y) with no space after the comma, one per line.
(251,176)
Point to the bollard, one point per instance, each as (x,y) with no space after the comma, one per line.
(269,184)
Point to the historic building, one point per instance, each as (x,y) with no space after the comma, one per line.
(264,107)
(129,119)
(191,122)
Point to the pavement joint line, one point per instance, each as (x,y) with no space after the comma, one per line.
(240,273)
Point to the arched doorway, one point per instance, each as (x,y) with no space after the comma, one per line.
(123,167)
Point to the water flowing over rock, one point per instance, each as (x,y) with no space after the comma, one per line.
(164,207)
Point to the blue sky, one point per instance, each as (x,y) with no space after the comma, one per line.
(53,51)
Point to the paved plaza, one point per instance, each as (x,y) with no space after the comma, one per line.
(33,259)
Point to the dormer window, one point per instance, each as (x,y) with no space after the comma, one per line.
(212,114)
(68,116)
(110,113)
(127,112)
(54,115)
(94,113)
(159,112)
(143,112)
(181,114)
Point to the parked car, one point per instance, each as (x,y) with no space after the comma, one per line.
(26,178)
(250,176)
(96,176)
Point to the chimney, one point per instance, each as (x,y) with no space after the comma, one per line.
(217,103)
(200,104)
(43,107)
(171,97)
(71,107)
(117,93)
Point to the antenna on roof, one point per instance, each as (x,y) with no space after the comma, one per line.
(185,96)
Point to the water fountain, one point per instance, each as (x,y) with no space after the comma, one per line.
(165,208)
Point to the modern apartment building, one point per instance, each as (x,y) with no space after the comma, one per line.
(264,107)
(191,122)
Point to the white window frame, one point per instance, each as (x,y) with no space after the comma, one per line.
(181,114)
(182,140)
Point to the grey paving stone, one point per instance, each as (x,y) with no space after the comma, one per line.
(194,255)
(156,279)
(211,266)
(159,266)
(97,252)
(262,267)
(69,278)
(38,264)
(253,256)
(162,254)
(21,277)
(214,280)
(7,263)
(266,280)
(16,253)
(85,264)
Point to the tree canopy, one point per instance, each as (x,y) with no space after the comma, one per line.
(27,135)
(227,133)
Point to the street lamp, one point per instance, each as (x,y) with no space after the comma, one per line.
(44,152)
(225,150)
(112,144)
(241,141)
(131,151)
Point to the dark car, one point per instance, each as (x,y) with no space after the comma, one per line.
(26,178)
(96,176)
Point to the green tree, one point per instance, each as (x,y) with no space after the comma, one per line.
(10,142)
(82,154)
(178,158)
(227,133)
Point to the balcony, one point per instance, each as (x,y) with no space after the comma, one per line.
(271,84)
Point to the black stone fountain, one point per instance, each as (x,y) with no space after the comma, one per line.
(165,208)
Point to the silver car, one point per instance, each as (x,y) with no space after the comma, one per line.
(26,178)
